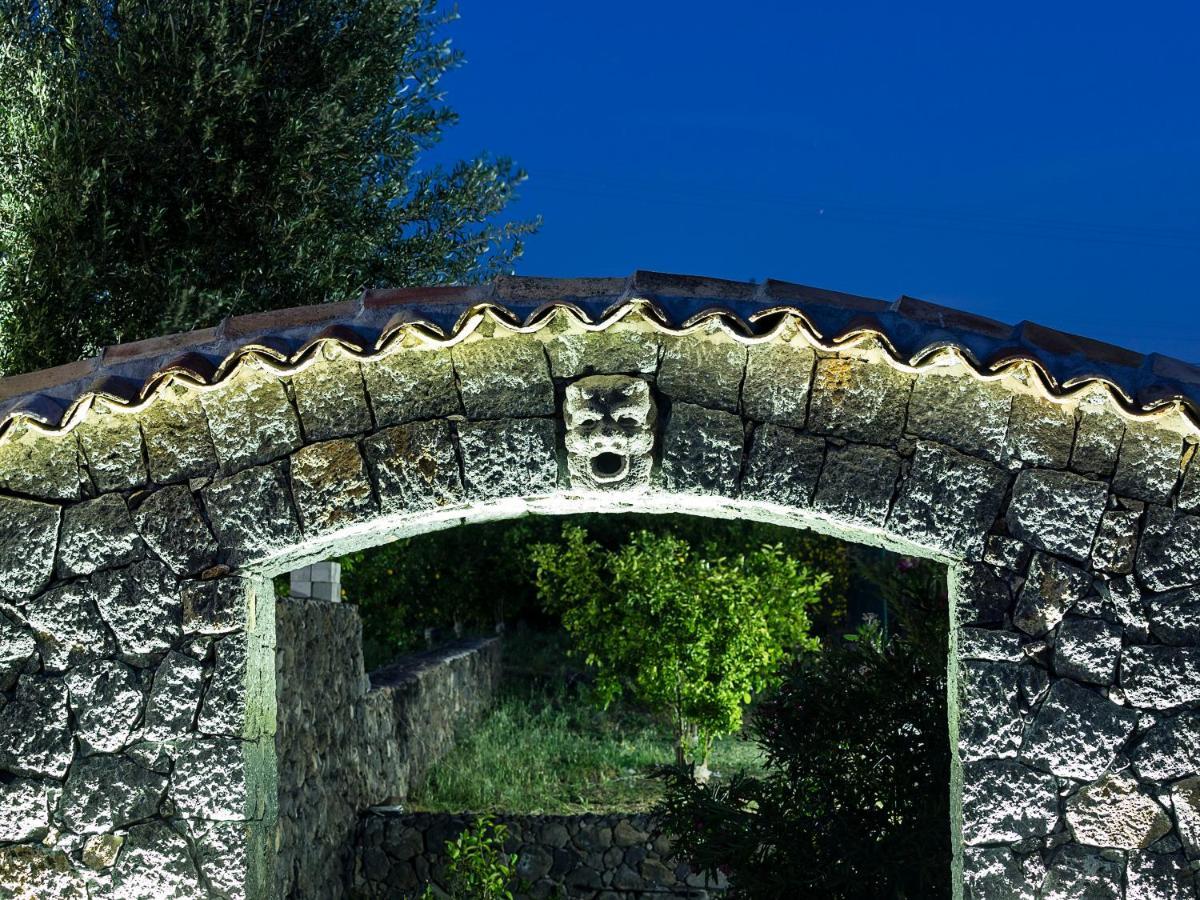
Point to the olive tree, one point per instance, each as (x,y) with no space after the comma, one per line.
(689,632)
(164,163)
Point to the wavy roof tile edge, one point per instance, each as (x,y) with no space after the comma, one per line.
(913,332)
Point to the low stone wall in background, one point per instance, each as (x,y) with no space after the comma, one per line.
(347,741)
(604,857)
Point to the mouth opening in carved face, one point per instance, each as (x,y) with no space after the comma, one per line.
(609,466)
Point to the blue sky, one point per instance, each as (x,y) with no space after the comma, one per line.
(1023,161)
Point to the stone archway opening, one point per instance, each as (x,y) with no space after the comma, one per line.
(147,494)
(376,852)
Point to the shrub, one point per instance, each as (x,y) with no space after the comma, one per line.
(854,802)
(477,867)
(688,632)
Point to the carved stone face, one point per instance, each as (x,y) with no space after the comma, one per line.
(610,432)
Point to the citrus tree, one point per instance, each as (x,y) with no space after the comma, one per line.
(689,632)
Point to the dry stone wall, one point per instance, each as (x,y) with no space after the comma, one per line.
(591,857)
(346,741)
(137,655)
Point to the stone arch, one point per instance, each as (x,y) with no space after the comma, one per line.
(147,495)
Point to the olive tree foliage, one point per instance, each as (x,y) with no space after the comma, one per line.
(685,630)
(164,163)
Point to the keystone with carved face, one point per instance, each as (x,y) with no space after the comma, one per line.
(610,432)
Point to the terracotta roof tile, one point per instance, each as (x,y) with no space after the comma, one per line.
(912,328)
(46,379)
(947,317)
(453,293)
(1060,343)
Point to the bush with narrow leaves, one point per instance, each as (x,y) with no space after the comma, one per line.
(855,799)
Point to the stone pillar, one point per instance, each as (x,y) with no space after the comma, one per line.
(320,581)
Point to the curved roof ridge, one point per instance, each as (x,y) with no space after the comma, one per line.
(913,330)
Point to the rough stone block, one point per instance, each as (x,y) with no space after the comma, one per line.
(1175,617)
(68,625)
(39,464)
(705,370)
(331,487)
(141,604)
(1079,872)
(1051,589)
(1087,650)
(702,450)
(24,809)
(993,712)
(1189,490)
(989,644)
(37,873)
(1170,749)
(415,467)
(252,513)
(982,596)
(35,735)
(331,397)
(1006,553)
(1077,733)
(100,851)
(251,418)
(857,484)
(1116,541)
(174,698)
(783,466)
(508,458)
(225,854)
(778,375)
(1005,802)
(411,383)
(112,448)
(1158,876)
(178,443)
(224,711)
(960,411)
(97,534)
(1098,435)
(217,779)
(1122,601)
(626,347)
(1169,555)
(1058,512)
(859,400)
(214,607)
(1149,462)
(18,651)
(1160,677)
(106,699)
(948,500)
(1113,812)
(156,862)
(171,525)
(991,873)
(28,540)
(503,377)
(1185,800)
(107,792)
(1040,432)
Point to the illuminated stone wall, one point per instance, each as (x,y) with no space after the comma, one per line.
(617,856)
(138,641)
(346,742)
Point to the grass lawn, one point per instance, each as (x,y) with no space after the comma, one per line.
(545,749)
